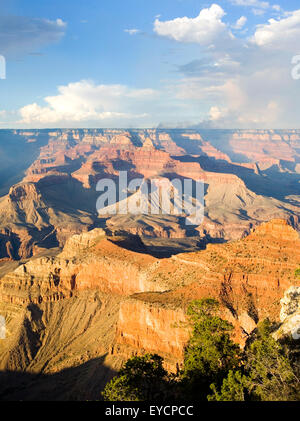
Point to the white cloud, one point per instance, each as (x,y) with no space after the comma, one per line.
(261,94)
(256,4)
(85,101)
(280,34)
(244,83)
(216,113)
(240,23)
(205,29)
(60,22)
(132,31)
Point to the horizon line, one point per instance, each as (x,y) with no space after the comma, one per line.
(147,128)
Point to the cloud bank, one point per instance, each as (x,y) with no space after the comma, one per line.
(243,82)
(84,101)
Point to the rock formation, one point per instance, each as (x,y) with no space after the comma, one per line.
(249,177)
(75,295)
(116,302)
(290,314)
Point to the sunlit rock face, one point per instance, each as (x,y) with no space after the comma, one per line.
(290,314)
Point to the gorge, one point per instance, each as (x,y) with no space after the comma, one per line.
(80,293)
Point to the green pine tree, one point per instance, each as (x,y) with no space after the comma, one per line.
(140,379)
(267,372)
(210,353)
(234,388)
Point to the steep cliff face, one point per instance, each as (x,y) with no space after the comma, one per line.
(259,146)
(157,321)
(88,262)
(149,326)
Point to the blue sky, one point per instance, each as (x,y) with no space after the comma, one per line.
(138,63)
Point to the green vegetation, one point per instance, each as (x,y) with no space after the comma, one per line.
(297,272)
(141,379)
(234,388)
(268,372)
(210,353)
(215,368)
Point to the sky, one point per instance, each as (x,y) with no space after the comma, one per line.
(159,63)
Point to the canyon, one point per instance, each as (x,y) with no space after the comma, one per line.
(248,177)
(81,292)
(98,302)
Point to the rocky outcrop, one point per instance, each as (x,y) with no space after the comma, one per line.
(248,277)
(88,262)
(290,314)
(278,229)
(77,244)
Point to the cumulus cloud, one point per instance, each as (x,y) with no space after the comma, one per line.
(246,83)
(19,34)
(87,104)
(207,28)
(84,101)
(258,92)
(280,34)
